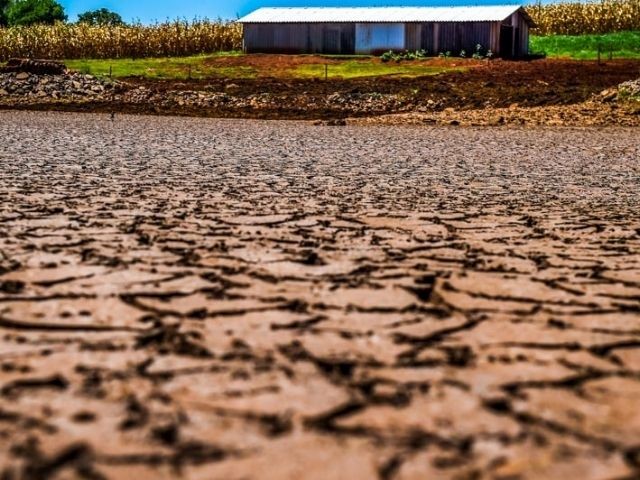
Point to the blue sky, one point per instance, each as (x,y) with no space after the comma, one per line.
(148,11)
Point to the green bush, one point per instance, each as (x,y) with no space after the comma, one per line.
(30,12)
(400,56)
(100,17)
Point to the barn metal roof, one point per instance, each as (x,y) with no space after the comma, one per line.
(486,13)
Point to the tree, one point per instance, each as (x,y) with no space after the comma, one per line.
(3,12)
(101,16)
(28,12)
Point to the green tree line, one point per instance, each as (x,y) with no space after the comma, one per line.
(31,12)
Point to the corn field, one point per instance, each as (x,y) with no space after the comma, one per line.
(68,41)
(577,18)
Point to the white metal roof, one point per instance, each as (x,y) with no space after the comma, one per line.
(486,13)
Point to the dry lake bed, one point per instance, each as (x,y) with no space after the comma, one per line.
(227,299)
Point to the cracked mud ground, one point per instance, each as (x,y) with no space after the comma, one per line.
(214,299)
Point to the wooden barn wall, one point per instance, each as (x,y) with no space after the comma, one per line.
(435,38)
(332,38)
(518,21)
(413,36)
(442,37)
(520,35)
(299,38)
(495,38)
(276,38)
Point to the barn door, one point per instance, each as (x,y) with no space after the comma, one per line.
(348,39)
(506,41)
(427,40)
(331,40)
(448,41)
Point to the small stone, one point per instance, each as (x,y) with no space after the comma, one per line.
(22,76)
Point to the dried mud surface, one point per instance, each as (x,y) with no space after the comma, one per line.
(225,299)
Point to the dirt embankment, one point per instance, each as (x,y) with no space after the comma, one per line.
(497,92)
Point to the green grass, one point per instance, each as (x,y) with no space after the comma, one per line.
(585,47)
(209,66)
(174,68)
(355,69)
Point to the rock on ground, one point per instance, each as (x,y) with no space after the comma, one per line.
(24,88)
(630,89)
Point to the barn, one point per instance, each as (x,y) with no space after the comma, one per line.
(503,29)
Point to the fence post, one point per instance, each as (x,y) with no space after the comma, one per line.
(110,71)
(326,72)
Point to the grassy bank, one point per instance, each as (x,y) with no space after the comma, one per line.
(178,68)
(585,47)
(235,65)
(368,68)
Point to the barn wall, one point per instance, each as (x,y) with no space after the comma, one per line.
(332,38)
(276,38)
(519,36)
(299,38)
(413,36)
(522,40)
(494,38)
(441,37)
(525,39)
(347,38)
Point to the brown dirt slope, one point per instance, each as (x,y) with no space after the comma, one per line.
(497,83)
(484,87)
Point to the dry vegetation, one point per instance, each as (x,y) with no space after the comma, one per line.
(177,38)
(586,18)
